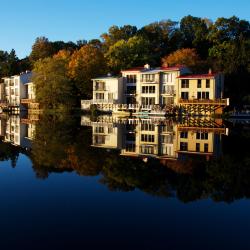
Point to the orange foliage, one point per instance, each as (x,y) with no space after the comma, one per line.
(187,57)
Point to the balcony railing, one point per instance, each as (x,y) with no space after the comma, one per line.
(27,101)
(205,101)
(169,92)
(100,88)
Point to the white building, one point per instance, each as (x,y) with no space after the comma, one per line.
(14,88)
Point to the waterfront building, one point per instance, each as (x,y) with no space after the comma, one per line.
(159,89)
(17,91)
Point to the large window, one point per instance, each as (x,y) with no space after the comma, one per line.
(197,147)
(185,83)
(202,95)
(167,77)
(148,78)
(167,100)
(147,138)
(184,95)
(131,79)
(131,90)
(148,89)
(148,100)
(168,89)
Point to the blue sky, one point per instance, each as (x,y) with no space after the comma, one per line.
(21,21)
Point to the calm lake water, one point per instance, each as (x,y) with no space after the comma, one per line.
(71,182)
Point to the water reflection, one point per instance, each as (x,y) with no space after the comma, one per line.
(190,159)
(162,139)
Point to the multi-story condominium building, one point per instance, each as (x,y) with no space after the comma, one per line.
(18,91)
(14,88)
(144,88)
(148,86)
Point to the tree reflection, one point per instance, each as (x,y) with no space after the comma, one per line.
(9,152)
(62,145)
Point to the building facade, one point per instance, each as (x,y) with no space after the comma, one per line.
(144,88)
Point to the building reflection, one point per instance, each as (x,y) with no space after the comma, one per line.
(163,139)
(17,130)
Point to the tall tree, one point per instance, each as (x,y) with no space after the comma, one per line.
(52,83)
(126,54)
(194,32)
(86,63)
(41,49)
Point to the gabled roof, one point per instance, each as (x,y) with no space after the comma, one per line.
(199,76)
(136,69)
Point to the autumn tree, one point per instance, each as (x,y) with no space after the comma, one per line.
(86,63)
(187,57)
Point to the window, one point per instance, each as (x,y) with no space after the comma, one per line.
(99,130)
(197,147)
(167,77)
(99,139)
(147,138)
(130,137)
(148,78)
(184,95)
(110,96)
(183,146)
(147,127)
(199,83)
(100,86)
(168,89)
(145,149)
(202,95)
(148,89)
(130,147)
(131,79)
(184,134)
(167,138)
(205,147)
(131,90)
(201,136)
(99,96)
(207,83)
(148,100)
(185,83)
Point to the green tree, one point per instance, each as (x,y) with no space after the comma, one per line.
(53,87)
(194,32)
(125,54)
(41,49)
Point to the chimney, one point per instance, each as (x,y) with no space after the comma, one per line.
(146,66)
(210,71)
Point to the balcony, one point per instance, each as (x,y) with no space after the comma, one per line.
(221,102)
(130,93)
(100,88)
(168,92)
(27,101)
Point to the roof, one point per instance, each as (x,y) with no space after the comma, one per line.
(154,70)
(197,76)
(137,69)
(106,78)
